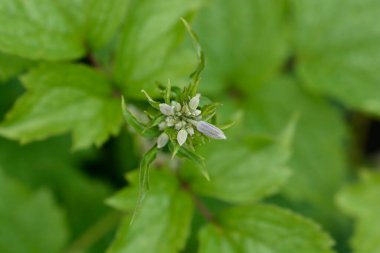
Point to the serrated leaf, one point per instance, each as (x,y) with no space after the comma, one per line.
(321,132)
(61,98)
(241,173)
(103,19)
(338,51)
(361,201)
(11,66)
(38,29)
(29,222)
(149,37)
(263,229)
(50,164)
(247,49)
(163,223)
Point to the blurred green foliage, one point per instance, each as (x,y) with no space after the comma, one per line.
(304,75)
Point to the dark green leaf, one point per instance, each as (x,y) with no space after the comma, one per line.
(29,222)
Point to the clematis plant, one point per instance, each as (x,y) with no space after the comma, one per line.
(179,122)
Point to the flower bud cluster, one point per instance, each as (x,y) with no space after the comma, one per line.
(185,119)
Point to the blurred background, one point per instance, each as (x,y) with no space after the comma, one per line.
(64,146)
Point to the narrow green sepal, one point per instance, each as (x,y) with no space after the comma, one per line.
(146,161)
(136,124)
(196,159)
(193,87)
(152,102)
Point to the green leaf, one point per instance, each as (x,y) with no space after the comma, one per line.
(11,66)
(163,222)
(50,164)
(103,19)
(321,133)
(263,229)
(243,41)
(361,201)
(29,222)
(149,37)
(338,51)
(241,173)
(61,98)
(39,29)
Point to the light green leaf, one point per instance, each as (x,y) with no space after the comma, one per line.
(243,41)
(151,32)
(338,51)
(11,66)
(29,222)
(39,29)
(103,20)
(61,98)
(163,223)
(318,156)
(263,229)
(361,201)
(242,173)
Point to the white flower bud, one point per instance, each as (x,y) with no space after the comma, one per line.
(181,137)
(162,125)
(177,106)
(210,130)
(170,121)
(162,140)
(186,110)
(194,102)
(197,113)
(166,109)
(179,125)
(190,131)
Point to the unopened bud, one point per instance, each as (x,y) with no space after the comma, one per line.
(210,130)
(181,137)
(162,140)
(177,106)
(166,109)
(194,102)
(190,131)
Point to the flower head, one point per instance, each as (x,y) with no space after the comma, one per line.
(185,118)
